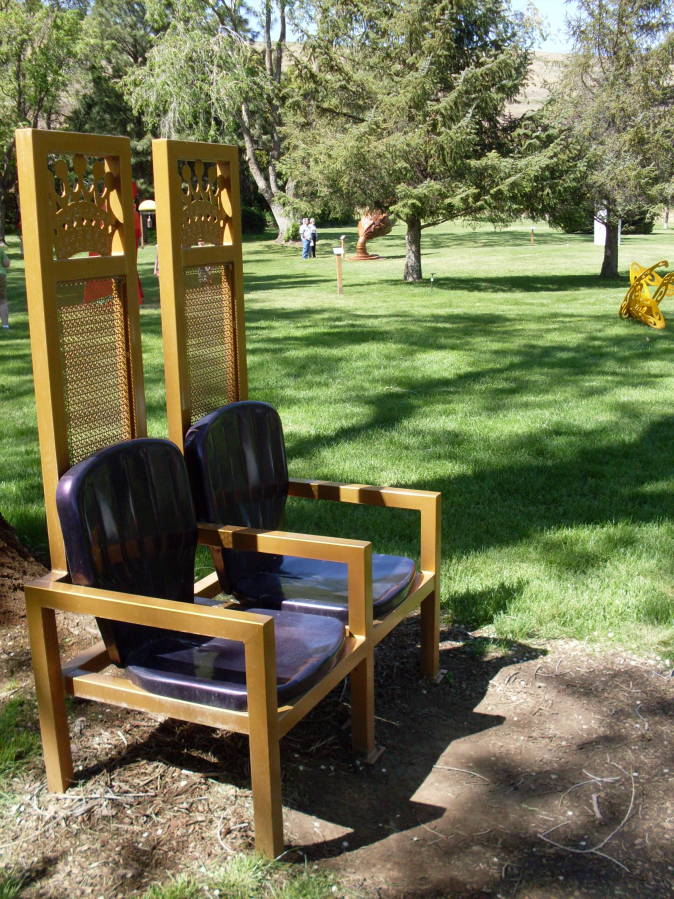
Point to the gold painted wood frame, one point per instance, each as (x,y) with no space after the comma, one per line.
(175,233)
(200,279)
(264,721)
(76,197)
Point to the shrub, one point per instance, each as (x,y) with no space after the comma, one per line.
(253,221)
(293,232)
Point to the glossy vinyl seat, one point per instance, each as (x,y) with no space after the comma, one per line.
(129,525)
(239,476)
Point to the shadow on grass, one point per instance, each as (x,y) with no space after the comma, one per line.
(604,484)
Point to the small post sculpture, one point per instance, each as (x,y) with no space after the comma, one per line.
(373,223)
(339,253)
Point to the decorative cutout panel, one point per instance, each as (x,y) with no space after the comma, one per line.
(94,341)
(205,204)
(211,341)
(81,218)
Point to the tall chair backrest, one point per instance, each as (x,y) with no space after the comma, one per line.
(201,279)
(238,472)
(129,526)
(76,198)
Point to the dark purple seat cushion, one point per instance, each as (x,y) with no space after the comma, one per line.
(128,524)
(304,585)
(239,476)
(213,672)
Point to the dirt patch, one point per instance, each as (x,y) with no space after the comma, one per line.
(512,746)
(17,566)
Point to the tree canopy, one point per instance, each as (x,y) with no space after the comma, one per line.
(205,79)
(393,105)
(41,50)
(117,35)
(602,143)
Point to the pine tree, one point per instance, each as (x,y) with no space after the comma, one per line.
(603,140)
(392,105)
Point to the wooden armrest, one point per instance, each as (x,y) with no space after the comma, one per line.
(183,617)
(356,554)
(363,494)
(428,502)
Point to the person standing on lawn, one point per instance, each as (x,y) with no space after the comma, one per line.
(305,236)
(4,308)
(314,236)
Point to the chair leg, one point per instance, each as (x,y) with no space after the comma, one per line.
(265,772)
(51,701)
(265,755)
(430,634)
(362,707)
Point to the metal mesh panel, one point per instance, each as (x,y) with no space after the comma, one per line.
(96,374)
(211,343)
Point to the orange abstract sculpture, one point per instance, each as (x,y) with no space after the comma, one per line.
(373,223)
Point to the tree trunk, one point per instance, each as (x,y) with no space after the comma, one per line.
(413,250)
(609,268)
(666,217)
(3,216)
(283,220)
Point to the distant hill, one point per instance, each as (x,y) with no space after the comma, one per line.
(544,72)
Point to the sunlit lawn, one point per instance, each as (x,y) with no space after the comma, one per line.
(546,422)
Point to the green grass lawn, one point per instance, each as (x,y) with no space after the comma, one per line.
(546,422)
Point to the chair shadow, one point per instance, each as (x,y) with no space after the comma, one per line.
(322,776)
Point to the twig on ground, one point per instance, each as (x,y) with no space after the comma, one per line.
(517,885)
(463,771)
(222,842)
(10,693)
(435,831)
(595,850)
(603,780)
(592,780)
(504,872)
(595,808)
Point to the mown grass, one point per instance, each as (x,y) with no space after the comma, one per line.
(546,422)
(10,885)
(249,877)
(19,739)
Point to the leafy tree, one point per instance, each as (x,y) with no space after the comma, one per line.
(205,79)
(393,106)
(40,56)
(603,140)
(118,37)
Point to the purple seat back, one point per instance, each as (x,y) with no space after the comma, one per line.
(237,465)
(128,525)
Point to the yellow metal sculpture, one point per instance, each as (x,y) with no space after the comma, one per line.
(639,303)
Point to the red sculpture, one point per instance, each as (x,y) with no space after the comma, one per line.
(373,223)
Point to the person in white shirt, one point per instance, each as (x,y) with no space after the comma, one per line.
(305,236)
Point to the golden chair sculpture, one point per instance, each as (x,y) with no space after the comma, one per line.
(234,447)
(122,529)
(642,305)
